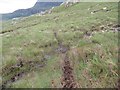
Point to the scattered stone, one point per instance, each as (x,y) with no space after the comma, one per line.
(104,8)
(102,27)
(32,42)
(7,36)
(92,12)
(88,8)
(102,31)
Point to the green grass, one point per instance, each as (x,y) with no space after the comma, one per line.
(42,78)
(32,39)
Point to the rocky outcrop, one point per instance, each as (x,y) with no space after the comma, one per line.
(70,2)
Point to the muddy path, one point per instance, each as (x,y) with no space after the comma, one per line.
(67,78)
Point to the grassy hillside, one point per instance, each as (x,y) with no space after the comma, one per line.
(31,47)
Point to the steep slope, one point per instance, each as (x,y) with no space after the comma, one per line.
(85,35)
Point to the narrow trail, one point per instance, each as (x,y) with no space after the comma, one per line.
(67,79)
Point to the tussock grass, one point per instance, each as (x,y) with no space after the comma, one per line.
(93,45)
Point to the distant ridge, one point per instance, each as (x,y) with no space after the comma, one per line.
(37,8)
